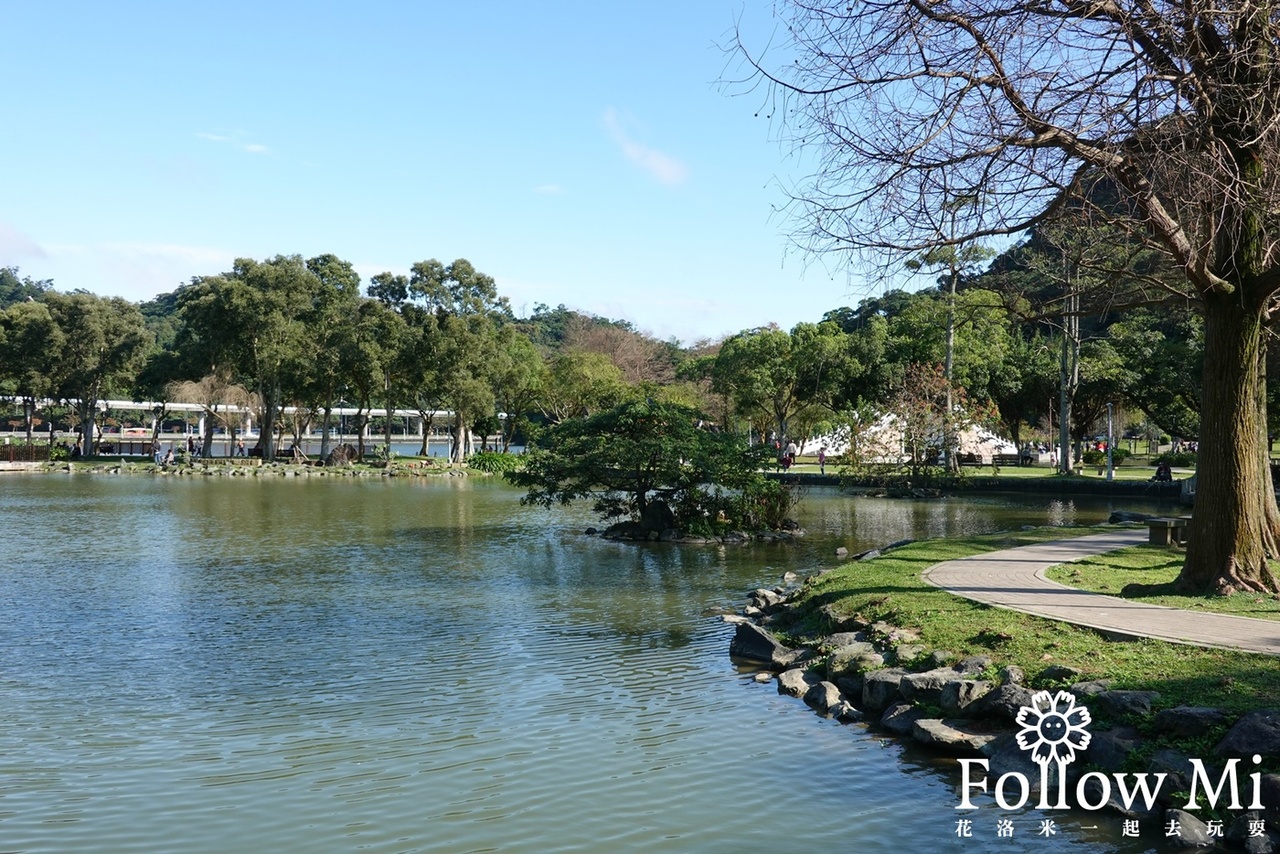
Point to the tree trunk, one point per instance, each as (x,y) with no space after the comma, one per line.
(324,431)
(1236,530)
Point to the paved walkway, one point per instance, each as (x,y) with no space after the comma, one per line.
(1015,579)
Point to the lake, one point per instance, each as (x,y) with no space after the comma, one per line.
(210,664)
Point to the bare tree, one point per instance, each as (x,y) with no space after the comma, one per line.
(1026,105)
(222,401)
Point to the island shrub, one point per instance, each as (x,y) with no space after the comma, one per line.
(657,464)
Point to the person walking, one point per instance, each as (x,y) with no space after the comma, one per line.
(822,460)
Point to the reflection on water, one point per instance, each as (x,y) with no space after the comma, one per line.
(294,664)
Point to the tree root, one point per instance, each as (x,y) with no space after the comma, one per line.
(1232,581)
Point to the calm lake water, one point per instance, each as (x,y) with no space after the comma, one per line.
(197,665)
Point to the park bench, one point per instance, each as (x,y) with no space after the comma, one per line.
(1007,460)
(1167,531)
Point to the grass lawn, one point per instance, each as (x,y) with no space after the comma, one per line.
(889,589)
(1157,566)
(1127,473)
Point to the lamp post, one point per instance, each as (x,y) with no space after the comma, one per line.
(1110,467)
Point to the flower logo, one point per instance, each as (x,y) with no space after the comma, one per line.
(1053,728)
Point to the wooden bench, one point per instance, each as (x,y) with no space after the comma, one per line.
(1007,460)
(1166,531)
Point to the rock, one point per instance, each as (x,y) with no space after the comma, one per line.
(789,577)
(657,516)
(1058,673)
(841,551)
(754,644)
(1179,770)
(1119,516)
(1091,688)
(846,712)
(1001,703)
(762,677)
(1257,732)
(591,531)
(938,658)
(853,658)
(906,653)
(1005,757)
(796,682)
(668,535)
(840,640)
(1121,703)
(926,687)
(765,599)
(973,665)
(838,622)
(1188,720)
(952,736)
(1271,797)
(1245,829)
(1184,830)
(901,718)
(343,455)
(1093,792)
(1110,749)
(959,694)
(849,685)
(822,696)
(872,554)
(1012,674)
(880,689)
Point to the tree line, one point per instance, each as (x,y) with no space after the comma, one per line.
(309,335)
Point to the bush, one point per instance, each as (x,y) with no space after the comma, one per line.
(1099,458)
(1181,459)
(494,462)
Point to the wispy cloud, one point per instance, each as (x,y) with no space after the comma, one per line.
(235,140)
(14,245)
(549,190)
(662,167)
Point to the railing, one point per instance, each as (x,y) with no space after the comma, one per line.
(24,453)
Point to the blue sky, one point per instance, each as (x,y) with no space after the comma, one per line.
(580,153)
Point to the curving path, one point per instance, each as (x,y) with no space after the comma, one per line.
(1015,579)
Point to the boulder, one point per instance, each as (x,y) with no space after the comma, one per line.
(973,665)
(905,653)
(1110,749)
(853,658)
(952,736)
(796,682)
(1091,688)
(1001,703)
(1257,732)
(846,712)
(850,686)
(839,640)
(938,658)
(1122,703)
(901,718)
(926,687)
(1244,832)
(343,455)
(1012,674)
(823,696)
(1184,830)
(657,516)
(1058,673)
(880,689)
(754,644)
(1178,769)
(959,694)
(1188,720)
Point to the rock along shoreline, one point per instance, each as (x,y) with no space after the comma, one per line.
(882,677)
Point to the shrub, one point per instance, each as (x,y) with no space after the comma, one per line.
(1181,459)
(1099,458)
(494,462)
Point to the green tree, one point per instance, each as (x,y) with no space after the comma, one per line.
(1021,105)
(258,314)
(30,341)
(639,459)
(104,341)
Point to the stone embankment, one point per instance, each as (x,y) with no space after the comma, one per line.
(254,468)
(882,676)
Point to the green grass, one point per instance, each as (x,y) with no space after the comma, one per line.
(1157,566)
(889,588)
